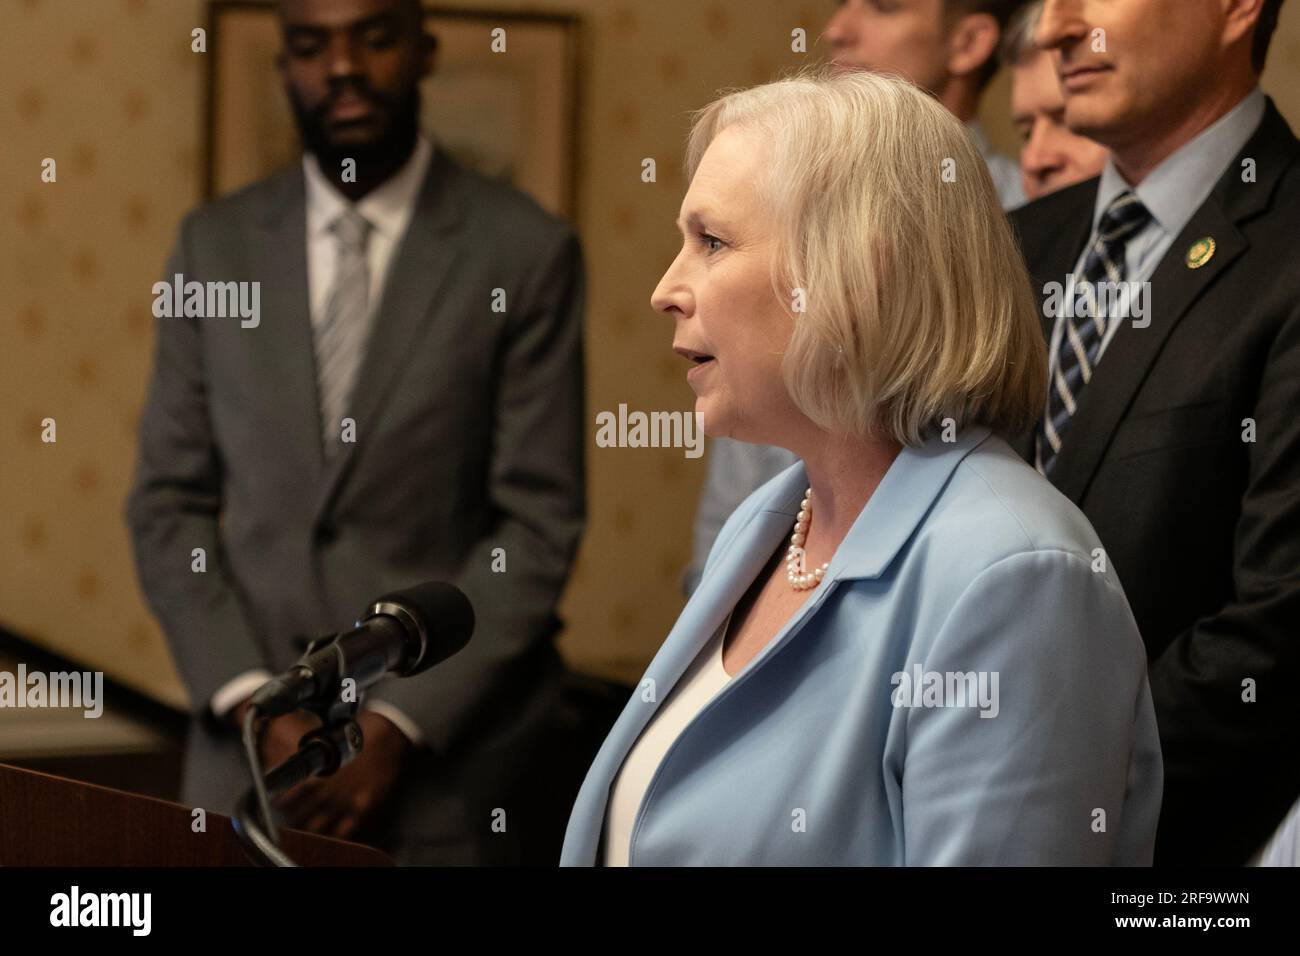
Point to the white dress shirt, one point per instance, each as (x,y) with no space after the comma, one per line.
(388,208)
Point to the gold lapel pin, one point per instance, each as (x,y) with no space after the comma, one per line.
(1201,252)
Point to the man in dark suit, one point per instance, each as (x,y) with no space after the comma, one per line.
(408,406)
(1173,414)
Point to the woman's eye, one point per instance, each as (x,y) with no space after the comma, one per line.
(707,241)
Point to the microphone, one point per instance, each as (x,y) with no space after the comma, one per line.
(403,633)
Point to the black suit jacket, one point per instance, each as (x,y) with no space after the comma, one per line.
(1202,525)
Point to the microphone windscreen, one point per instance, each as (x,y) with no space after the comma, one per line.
(443,612)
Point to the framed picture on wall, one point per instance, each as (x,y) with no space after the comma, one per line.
(511,114)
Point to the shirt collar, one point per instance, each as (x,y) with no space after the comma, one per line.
(1174,190)
(896,508)
(387,208)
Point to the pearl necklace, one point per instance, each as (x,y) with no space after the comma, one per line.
(799,579)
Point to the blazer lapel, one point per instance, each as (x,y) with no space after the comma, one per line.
(716,596)
(421,266)
(285,351)
(1175,288)
(718,593)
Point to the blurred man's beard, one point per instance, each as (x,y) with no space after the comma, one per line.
(384,151)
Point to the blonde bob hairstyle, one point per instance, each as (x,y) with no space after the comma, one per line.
(916,306)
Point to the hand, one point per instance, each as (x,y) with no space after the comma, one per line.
(340,804)
(279,736)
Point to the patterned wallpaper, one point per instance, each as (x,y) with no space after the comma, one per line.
(111,90)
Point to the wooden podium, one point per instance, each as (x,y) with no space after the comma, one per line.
(53,821)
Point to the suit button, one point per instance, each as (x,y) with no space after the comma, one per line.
(326,533)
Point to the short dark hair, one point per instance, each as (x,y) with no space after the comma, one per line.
(416,9)
(412,10)
(1000,10)
(1264,28)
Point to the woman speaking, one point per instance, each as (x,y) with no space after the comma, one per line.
(908,648)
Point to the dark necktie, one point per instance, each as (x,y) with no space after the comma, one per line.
(1082,335)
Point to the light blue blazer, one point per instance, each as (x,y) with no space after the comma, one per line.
(966,570)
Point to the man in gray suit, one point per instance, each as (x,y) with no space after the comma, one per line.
(406,405)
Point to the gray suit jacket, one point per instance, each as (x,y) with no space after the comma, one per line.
(469,438)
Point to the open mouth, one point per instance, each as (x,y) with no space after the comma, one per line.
(695,358)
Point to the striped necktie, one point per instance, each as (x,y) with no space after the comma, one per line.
(340,334)
(1082,334)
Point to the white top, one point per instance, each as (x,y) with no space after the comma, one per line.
(704,678)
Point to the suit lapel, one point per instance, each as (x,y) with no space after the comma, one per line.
(1067,251)
(421,266)
(1052,258)
(284,351)
(1131,353)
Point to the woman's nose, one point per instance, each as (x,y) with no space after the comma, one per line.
(671,294)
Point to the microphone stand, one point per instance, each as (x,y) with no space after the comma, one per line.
(320,753)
